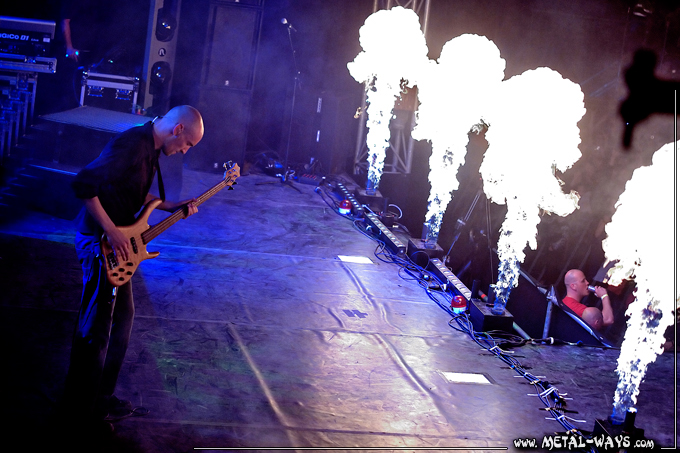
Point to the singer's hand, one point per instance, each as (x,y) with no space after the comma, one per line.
(600,292)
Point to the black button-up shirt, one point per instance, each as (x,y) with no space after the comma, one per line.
(120,177)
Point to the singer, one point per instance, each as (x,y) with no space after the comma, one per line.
(577,289)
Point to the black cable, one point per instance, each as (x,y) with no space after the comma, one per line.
(333,204)
(493,342)
(553,401)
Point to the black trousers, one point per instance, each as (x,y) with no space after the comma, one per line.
(101,335)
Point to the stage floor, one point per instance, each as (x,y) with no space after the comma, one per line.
(251,333)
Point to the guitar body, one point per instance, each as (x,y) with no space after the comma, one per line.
(118,273)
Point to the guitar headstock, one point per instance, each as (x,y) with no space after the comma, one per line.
(232,171)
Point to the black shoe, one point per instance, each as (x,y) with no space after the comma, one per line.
(115,409)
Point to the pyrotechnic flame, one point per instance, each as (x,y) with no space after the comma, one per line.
(639,236)
(394,52)
(454,94)
(533,130)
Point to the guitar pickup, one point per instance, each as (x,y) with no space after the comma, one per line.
(133,242)
(112,260)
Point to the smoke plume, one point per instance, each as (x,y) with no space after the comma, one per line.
(638,237)
(394,54)
(533,132)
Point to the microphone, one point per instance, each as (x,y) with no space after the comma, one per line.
(284,21)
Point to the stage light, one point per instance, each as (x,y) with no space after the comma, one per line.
(451,282)
(347,195)
(481,316)
(384,234)
(465,378)
(355,259)
(458,304)
(345,207)
(165,25)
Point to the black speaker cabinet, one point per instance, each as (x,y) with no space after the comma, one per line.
(160,56)
(225,116)
(528,305)
(231,46)
(220,38)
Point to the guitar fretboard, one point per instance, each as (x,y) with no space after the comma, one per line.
(166,223)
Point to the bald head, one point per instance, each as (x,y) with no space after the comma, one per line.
(187,115)
(573,276)
(180,129)
(593,317)
(576,284)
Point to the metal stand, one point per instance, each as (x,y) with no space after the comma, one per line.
(17,107)
(286,177)
(462,222)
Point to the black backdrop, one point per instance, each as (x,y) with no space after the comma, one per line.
(590,42)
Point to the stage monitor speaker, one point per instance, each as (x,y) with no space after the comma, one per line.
(529,305)
(159,58)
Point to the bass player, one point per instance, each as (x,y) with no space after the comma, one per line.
(114,187)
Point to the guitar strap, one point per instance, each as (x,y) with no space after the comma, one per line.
(161,189)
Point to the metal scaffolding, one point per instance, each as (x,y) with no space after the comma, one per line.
(400,151)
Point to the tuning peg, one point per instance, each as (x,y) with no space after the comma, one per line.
(230,188)
(234,183)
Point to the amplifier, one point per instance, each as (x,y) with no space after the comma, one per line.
(29,37)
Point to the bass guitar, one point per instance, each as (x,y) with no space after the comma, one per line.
(140,233)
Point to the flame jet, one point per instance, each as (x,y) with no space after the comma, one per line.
(394,49)
(454,93)
(533,131)
(640,236)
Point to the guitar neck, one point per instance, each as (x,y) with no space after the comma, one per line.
(166,223)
